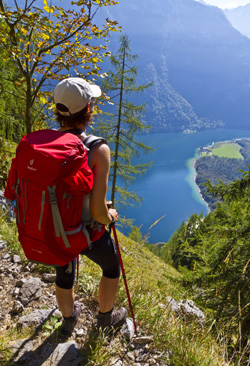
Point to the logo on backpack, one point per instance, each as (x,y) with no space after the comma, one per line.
(30,167)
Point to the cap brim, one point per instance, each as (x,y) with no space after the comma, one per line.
(96,90)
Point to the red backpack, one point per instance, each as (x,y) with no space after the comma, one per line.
(49,178)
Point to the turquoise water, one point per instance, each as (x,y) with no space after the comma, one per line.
(168,188)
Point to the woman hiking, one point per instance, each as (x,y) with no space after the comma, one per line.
(74,111)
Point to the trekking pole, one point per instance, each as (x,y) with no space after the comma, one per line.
(123,275)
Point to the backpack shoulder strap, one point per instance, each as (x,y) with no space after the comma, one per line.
(91,142)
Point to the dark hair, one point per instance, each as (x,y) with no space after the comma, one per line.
(73,120)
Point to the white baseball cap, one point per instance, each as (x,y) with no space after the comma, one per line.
(75,93)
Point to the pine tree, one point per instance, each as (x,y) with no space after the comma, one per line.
(219,247)
(122,126)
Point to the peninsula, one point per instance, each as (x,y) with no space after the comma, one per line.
(223,161)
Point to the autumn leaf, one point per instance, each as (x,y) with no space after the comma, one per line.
(94,59)
(44,36)
(24,30)
(48,9)
(43,100)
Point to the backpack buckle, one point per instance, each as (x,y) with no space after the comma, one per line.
(52,195)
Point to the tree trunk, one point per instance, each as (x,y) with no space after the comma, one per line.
(28,112)
(118,130)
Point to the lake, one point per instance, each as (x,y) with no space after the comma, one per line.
(168,188)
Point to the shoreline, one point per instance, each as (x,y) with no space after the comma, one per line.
(190,163)
(225,142)
(191,180)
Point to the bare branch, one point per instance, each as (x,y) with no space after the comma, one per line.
(2,6)
(117,95)
(30,35)
(38,87)
(16,5)
(27,7)
(38,112)
(23,12)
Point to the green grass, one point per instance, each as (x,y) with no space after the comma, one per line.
(228,150)
(150,281)
(205,154)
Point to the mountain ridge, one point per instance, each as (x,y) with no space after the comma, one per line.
(239,18)
(208,60)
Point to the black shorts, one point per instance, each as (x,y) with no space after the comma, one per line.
(103,253)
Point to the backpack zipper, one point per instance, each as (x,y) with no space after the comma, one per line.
(42,209)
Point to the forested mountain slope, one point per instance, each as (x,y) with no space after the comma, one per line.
(207,60)
(214,253)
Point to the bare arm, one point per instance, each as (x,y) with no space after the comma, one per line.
(98,205)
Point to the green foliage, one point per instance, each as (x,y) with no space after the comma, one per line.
(181,249)
(154,248)
(5,352)
(7,152)
(51,326)
(136,234)
(215,252)
(227,150)
(88,284)
(11,98)
(121,126)
(8,232)
(45,42)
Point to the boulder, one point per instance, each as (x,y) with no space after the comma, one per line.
(30,290)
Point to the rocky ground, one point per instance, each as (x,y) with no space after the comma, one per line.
(27,302)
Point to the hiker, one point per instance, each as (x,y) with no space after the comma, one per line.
(74,111)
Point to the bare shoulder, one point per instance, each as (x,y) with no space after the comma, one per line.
(101,154)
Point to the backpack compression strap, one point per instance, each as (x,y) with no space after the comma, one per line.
(59,230)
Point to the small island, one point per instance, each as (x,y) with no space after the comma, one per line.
(223,161)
